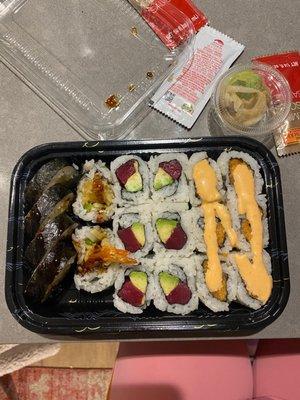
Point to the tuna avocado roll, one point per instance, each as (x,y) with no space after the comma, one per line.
(131,178)
(55,230)
(174,285)
(95,201)
(168,177)
(54,201)
(133,290)
(98,261)
(53,172)
(220,299)
(172,226)
(133,230)
(51,271)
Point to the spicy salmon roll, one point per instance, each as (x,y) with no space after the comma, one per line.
(134,289)
(168,179)
(96,200)
(98,261)
(131,178)
(172,230)
(206,182)
(174,285)
(220,299)
(133,231)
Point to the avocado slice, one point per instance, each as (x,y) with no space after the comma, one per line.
(139,280)
(134,183)
(162,179)
(168,282)
(138,230)
(165,228)
(247,78)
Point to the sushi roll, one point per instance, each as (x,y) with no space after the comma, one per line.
(96,200)
(242,175)
(172,230)
(133,289)
(50,271)
(53,172)
(168,180)
(174,285)
(131,178)
(61,227)
(132,228)
(206,183)
(98,262)
(220,224)
(255,287)
(54,201)
(218,300)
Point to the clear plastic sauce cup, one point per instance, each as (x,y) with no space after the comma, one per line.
(252,100)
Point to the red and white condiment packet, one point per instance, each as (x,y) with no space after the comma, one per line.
(288,140)
(184,101)
(174,21)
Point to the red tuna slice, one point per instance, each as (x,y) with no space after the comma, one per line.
(177,239)
(130,294)
(129,240)
(125,171)
(180,295)
(173,168)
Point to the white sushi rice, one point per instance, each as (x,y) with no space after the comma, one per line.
(197,229)
(125,198)
(89,169)
(195,158)
(177,192)
(242,296)
(94,281)
(176,211)
(125,217)
(123,273)
(184,269)
(205,295)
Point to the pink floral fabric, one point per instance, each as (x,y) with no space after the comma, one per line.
(59,384)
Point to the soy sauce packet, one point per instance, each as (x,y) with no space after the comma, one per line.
(214,52)
(174,21)
(288,140)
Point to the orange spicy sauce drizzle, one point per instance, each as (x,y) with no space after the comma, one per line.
(206,187)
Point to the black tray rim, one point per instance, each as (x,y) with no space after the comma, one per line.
(30,321)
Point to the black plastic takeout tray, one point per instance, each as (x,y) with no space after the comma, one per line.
(70,312)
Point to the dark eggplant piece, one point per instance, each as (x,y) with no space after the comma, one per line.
(54,201)
(55,230)
(54,172)
(50,271)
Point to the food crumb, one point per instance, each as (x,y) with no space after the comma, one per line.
(150,75)
(134,31)
(131,87)
(112,101)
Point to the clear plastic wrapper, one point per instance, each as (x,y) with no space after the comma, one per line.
(97,63)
